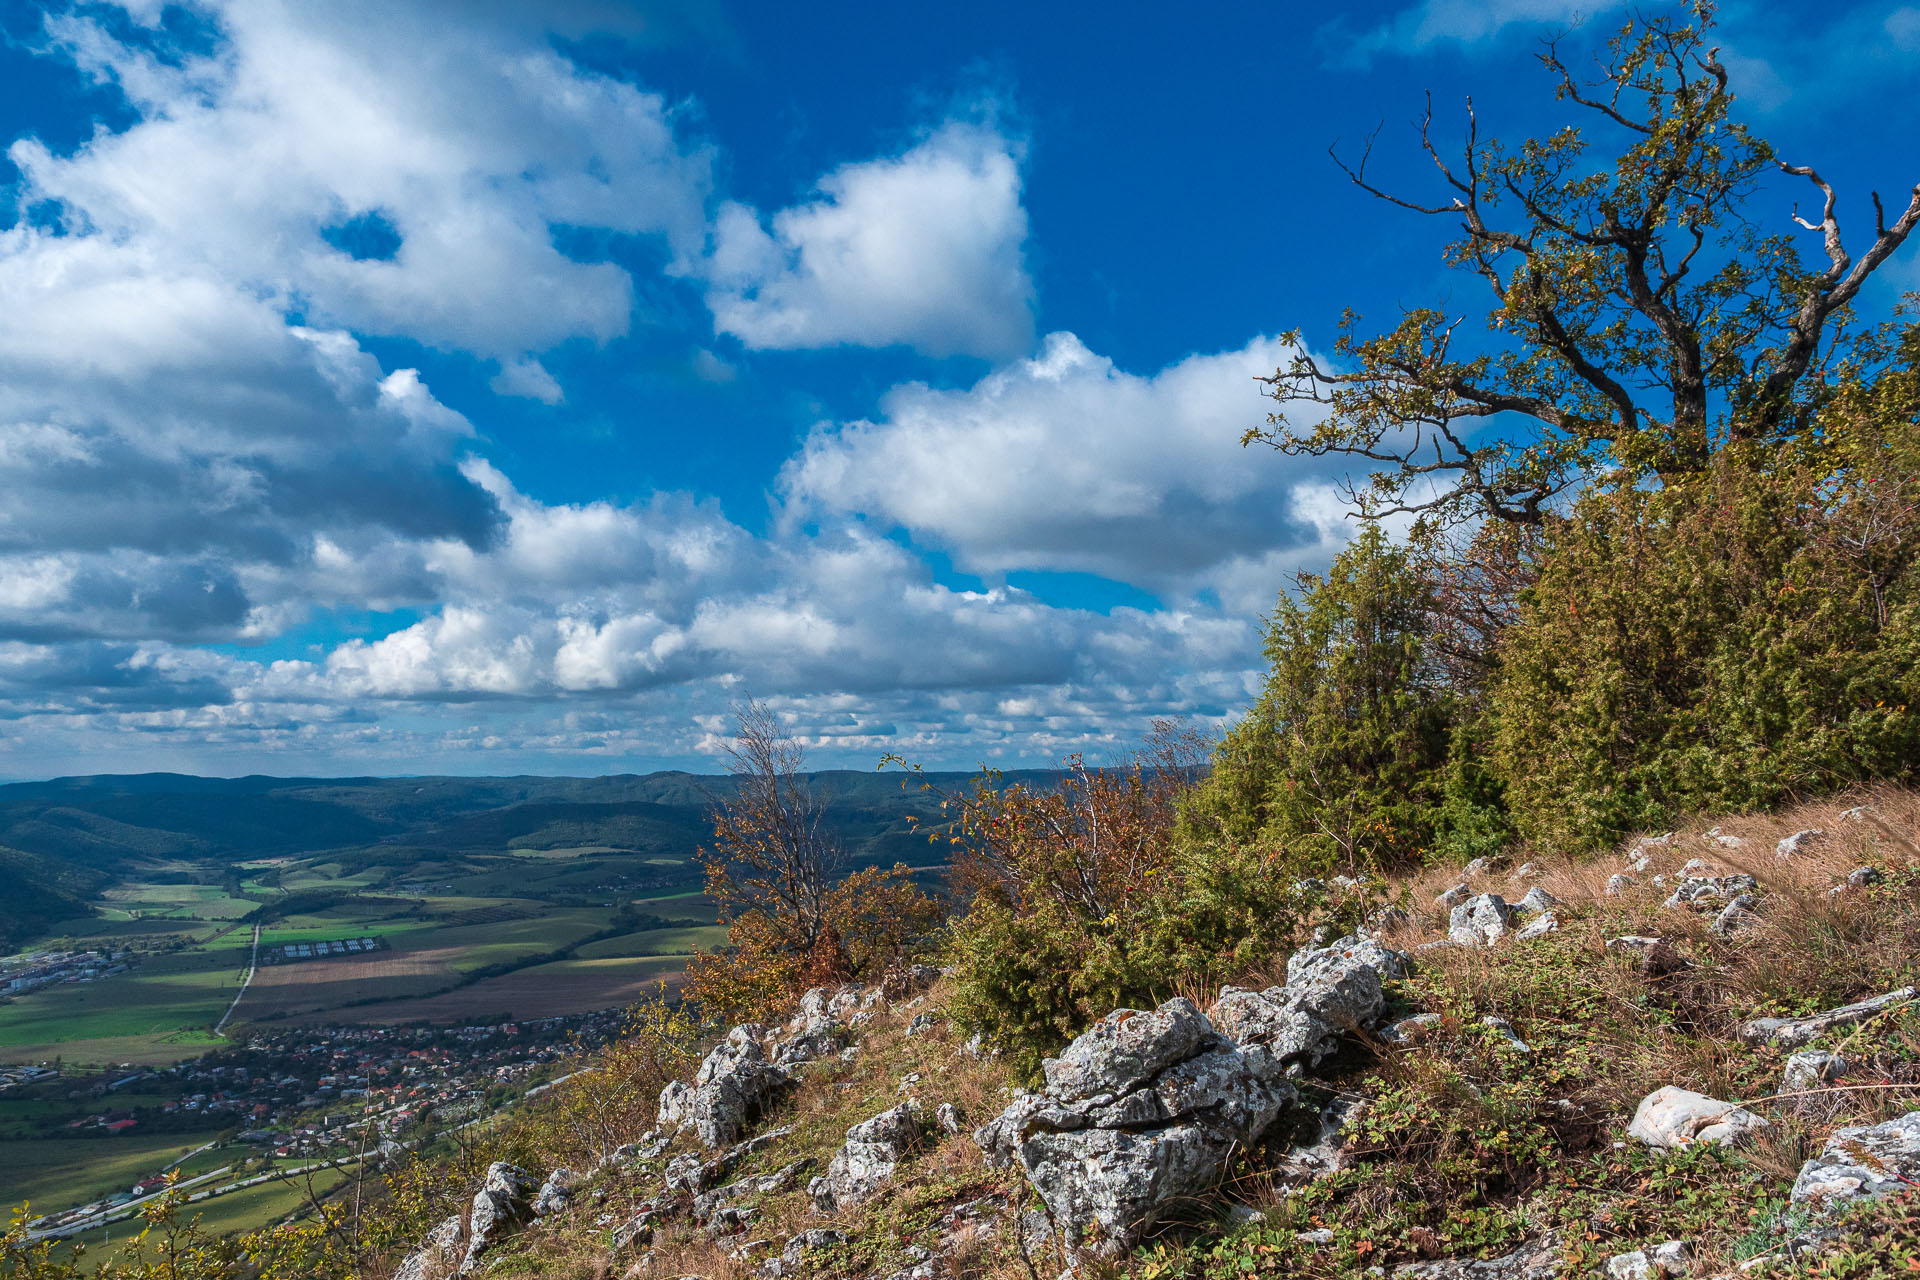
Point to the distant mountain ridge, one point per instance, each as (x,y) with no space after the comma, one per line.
(63,839)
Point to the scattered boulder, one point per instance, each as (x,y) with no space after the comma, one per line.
(921,1024)
(1311,963)
(1506,1032)
(1739,914)
(1455,896)
(1528,871)
(1676,1117)
(1859,813)
(1480,921)
(1619,883)
(1326,1155)
(1657,955)
(1791,1033)
(947,1118)
(1798,843)
(1476,867)
(555,1192)
(1329,990)
(1810,1069)
(733,1084)
(1537,1259)
(1695,887)
(1861,1161)
(792,1259)
(1539,926)
(874,1149)
(499,1207)
(709,1205)
(437,1255)
(1861,877)
(1669,1259)
(1139,1112)
(1537,900)
(1407,1029)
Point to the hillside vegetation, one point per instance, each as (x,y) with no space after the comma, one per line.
(1554,910)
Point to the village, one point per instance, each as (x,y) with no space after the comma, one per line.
(289,1099)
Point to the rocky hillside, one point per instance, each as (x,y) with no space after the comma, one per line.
(1698,1056)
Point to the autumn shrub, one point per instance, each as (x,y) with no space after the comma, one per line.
(612,1093)
(1081,898)
(795,918)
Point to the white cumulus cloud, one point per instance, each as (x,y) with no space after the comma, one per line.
(924,249)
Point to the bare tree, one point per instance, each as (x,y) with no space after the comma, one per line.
(772,852)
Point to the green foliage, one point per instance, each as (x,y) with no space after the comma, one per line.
(1721,643)
(1344,760)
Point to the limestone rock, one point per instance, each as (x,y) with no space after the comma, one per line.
(555,1192)
(1539,927)
(437,1255)
(1797,843)
(1668,1259)
(1865,1160)
(1619,883)
(1312,963)
(1694,888)
(1336,991)
(1656,955)
(1739,914)
(1538,1259)
(499,1207)
(1537,899)
(1140,1113)
(1506,1032)
(1480,921)
(1125,1049)
(1327,1154)
(733,1084)
(873,1150)
(1676,1117)
(1791,1033)
(1810,1069)
(1454,897)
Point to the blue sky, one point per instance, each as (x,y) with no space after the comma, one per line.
(497,387)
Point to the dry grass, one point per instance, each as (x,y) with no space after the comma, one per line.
(1473,1145)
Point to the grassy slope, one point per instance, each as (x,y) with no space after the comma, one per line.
(1470,1146)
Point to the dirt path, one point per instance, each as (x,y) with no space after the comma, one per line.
(253,963)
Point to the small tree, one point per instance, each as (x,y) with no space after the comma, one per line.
(1342,761)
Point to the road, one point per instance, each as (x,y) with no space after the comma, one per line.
(253,962)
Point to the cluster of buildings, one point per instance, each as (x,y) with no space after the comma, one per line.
(18,1077)
(296,951)
(23,973)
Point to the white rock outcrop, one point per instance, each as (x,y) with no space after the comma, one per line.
(734,1084)
(1139,1112)
(1865,1160)
(1676,1117)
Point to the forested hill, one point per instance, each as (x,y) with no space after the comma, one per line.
(62,840)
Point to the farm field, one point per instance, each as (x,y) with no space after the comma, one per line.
(563,987)
(56,1172)
(654,942)
(161,1011)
